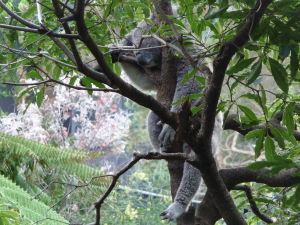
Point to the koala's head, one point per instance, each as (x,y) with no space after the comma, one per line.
(149,58)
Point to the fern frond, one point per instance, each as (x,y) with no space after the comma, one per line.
(9,215)
(30,209)
(63,160)
(45,152)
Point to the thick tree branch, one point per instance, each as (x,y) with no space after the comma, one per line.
(208,213)
(202,145)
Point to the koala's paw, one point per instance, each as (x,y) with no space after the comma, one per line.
(174,211)
(166,137)
(115,55)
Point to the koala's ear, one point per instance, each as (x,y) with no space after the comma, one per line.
(137,37)
(138,32)
(127,41)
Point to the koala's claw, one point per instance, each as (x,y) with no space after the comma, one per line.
(166,137)
(174,211)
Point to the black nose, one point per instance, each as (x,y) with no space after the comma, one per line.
(142,60)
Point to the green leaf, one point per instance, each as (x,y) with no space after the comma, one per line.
(187,98)
(234,14)
(263,100)
(86,82)
(210,2)
(270,149)
(254,134)
(196,109)
(248,113)
(288,120)
(211,14)
(241,65)
(294,61)
(23,92)
(56,73)
(226,113)
(284,51)
(221,106)
(280,75)
(263,95)
(34,75)
(188,76)
(277,136)
(255,72)
(297,195)
(236,82)
(117,69)
(259,145)
(40,97)
(259,134)
(251,96)
(287,136)
(200,79)
(72,80)
(260,165)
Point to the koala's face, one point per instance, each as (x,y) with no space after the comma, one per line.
(149,58)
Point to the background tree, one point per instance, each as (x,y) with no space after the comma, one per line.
(244,40)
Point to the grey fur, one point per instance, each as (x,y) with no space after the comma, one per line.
(144,76)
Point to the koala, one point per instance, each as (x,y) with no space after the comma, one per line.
(145,71)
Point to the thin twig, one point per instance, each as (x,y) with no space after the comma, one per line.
(17,17)
(58,61)
(136,157)
(27,84)
(38,31)
(178,37)
(18,61)
(39,13)
(62,83)
(253,205)
(35,54)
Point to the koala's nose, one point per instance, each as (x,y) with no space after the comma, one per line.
(142,60)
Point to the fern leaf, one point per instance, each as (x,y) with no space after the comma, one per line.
(30,209)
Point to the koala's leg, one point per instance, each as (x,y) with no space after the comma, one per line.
(186,191)
(154,129)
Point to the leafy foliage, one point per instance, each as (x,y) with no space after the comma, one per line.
(29,210)
(262,80)
(66,160)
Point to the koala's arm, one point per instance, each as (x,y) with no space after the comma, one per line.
(186,191)
(167,134)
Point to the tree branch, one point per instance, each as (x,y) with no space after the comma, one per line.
(136,158)
(39,31)
(76,56)
(126,89)
(17,17)
(63,84)
(253,205)
(231,123)
(202,144)
(208,213)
